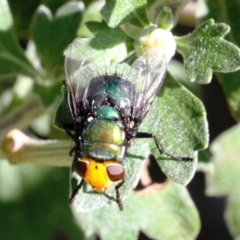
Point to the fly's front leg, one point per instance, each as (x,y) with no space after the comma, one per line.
(68,129)
(75,192)
(72,136)
(118,197)
(160,148)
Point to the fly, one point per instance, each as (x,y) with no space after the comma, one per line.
(107,104)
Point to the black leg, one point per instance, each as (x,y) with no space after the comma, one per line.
(118,197)
(160,148)
(69,133)
(72,151)
(75,192)
(72,136)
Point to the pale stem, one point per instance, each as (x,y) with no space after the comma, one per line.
(19,148)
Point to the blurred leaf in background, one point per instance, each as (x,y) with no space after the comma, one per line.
(223,180)
(225,11)
(34,203)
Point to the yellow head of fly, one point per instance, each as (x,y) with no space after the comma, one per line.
(99,174)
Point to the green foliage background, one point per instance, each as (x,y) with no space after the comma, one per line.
(33,37)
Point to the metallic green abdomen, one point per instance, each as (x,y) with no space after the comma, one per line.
(103,139)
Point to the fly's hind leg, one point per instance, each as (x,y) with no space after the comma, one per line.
(160,148)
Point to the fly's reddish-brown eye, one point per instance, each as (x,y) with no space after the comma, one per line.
(81,168)
(115,172)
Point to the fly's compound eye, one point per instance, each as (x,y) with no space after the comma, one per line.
(81,168)
(115,172)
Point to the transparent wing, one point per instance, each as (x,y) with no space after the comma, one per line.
(82,64)
(147,77)
(75,61)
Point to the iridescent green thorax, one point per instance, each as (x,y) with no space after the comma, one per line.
(112,86)
(114,90)
(103,137)
(111,91)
